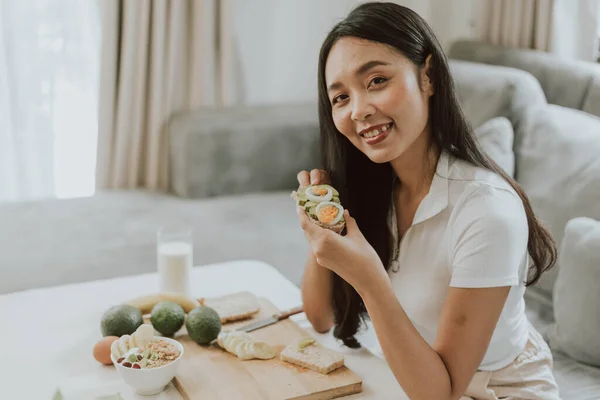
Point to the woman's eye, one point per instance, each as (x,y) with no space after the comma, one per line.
(377,81)
(339,98)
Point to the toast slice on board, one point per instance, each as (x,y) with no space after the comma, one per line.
(311,355)
(233,307)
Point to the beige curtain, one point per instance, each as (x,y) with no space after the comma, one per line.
(575,29)
(567,28)
(158,57)
(520,23)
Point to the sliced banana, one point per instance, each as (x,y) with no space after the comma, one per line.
(263,351)
(237,344)
(244,346)
(143,335)
(132,341)
(124,343)
(115,350)
(220,338)
(247,350)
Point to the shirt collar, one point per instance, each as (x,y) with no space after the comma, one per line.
(437,199)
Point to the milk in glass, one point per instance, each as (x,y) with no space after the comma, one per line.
(175,258)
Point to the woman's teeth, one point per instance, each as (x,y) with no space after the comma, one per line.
(376,132)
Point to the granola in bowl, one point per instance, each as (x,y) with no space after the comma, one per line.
(149,366)
(154,354)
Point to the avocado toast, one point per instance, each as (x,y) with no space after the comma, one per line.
(322,204)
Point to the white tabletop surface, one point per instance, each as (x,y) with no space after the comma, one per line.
(47,335)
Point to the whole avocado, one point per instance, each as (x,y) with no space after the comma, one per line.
(121,320)
(167,317)
(203,324)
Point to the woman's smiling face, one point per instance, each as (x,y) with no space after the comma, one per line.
(376,100)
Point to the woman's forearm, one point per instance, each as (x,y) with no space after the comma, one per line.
(417,367)
(317,295)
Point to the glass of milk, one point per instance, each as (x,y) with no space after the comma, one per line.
(175,254)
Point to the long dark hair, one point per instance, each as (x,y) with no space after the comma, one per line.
(354,174)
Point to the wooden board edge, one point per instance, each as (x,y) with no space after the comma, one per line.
(335,393)
(180,389)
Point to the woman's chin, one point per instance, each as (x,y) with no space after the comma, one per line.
(385,154)
(381,156)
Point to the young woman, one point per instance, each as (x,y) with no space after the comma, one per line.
(440,243)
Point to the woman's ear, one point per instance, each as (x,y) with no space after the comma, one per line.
(426,80)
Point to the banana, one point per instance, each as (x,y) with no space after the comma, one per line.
(124,344)
(244,346)
(146,303)
(115,350)
(141,337)
(263,351)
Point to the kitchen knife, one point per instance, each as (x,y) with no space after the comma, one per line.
(261,323)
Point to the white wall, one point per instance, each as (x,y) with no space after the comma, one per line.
(277,41)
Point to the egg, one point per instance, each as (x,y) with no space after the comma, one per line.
(102,350)
(329,212)
(319,194)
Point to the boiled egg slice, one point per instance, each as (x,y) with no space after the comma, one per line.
(329,212)
(318,194)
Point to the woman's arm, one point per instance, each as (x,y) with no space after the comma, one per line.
(317,295)
(442,371)
(489,242)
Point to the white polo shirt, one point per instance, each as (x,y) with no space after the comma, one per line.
(470,231)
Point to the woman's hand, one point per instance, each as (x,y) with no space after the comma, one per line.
(351,257)
(315,177)
(317,281)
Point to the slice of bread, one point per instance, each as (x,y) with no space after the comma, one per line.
(313,356)
(337,228)
(233,307)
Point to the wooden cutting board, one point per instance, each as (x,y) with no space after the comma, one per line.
(208,372)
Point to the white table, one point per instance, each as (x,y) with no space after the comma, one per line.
(47,335)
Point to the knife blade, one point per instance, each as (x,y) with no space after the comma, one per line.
(261,323)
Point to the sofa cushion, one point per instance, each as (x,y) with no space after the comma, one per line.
(576,294)
(242,149)
(558,166)
(496,138)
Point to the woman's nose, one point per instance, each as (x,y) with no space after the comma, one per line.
(362,108)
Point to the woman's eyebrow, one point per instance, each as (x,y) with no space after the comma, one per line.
(368,65)
(359,71)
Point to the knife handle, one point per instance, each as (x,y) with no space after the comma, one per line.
(288,313)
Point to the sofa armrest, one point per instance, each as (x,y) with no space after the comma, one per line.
(489,91)
(568,83)
(242,149)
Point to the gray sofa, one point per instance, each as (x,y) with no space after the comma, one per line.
(557,155)
(233,169)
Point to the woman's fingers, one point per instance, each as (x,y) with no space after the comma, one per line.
(319,176)
(314,177)
(303,178)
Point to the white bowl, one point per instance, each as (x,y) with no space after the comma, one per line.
(153,380)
